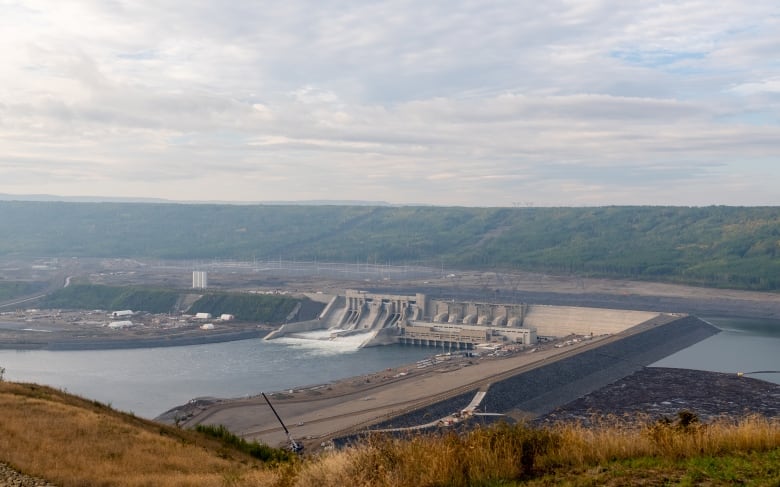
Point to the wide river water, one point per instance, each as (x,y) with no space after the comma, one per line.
(150,381)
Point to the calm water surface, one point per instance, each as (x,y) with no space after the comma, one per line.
(743,345)
(151,381)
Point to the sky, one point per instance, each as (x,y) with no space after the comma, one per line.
(456,102)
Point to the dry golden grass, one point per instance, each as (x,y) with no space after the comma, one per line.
(73,442)
(512,453)
(609,440)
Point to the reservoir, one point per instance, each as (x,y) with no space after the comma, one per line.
(150,381)
(743,345)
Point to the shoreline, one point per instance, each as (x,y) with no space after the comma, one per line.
(193,337)
(157,339)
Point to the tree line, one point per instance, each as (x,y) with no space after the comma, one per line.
(735,247)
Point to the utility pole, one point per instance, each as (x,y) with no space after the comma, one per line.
(294,446)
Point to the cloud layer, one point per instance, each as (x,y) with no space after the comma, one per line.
(488,103)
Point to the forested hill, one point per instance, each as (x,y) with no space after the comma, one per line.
(717,246)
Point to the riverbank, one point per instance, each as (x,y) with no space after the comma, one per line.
(14,336)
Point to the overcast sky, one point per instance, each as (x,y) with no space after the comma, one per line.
(456,102)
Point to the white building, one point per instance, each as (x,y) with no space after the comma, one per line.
(200,279)
(203,316)
(122,314)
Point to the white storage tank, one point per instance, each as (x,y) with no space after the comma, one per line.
(118,325)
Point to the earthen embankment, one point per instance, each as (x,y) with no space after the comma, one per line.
(551,385)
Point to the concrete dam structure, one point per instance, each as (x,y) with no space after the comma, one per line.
(381,319)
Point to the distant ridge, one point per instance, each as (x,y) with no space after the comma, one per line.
(731,247)
(131,199)
(79,199)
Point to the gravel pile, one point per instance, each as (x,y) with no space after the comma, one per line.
(663,392)
(11,478)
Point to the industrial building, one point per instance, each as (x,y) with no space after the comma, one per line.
(419,320)
(200,279)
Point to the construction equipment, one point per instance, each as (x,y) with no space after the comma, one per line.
(294,445)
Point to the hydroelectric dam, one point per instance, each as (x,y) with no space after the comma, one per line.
(382,319)
(545,365)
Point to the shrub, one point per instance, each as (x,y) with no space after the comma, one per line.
(252,448)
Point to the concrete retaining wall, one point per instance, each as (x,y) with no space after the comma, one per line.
(566,320)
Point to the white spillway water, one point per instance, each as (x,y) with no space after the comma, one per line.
(321,341)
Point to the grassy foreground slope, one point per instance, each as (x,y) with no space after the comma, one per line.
(734,247)
(73,442)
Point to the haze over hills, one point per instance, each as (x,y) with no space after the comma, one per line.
(120,199)
(734,247)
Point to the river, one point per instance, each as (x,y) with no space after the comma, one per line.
(150,381)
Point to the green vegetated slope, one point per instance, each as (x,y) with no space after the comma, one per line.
(90,296)
(716,246)
(13,289)
(247,307)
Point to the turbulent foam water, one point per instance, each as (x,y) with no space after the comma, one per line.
(321,341)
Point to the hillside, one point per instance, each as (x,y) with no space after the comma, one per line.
(89,296)
(69,441)
(247,307)
(734,247)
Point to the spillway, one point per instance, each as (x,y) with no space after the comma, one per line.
(383,319)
